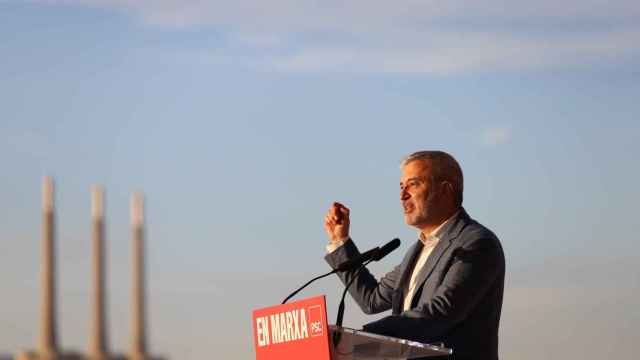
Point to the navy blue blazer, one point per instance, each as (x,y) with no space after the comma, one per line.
(458,296)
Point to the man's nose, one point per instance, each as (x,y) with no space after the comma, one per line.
(404,194)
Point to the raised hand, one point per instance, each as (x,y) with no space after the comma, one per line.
(336,222)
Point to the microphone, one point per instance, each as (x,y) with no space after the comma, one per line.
(375,254)
(386,249)
(367,256)
(358,260)
(345,266)
(378,255)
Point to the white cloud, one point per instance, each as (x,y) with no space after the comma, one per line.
(368,15)
(411,36)
(496,136)
(453,53)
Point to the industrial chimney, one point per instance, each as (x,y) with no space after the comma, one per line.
(138,316)
(98,336)
(48,347)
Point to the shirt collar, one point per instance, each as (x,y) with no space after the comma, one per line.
(436,234)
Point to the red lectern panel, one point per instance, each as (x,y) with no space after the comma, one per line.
(293,331)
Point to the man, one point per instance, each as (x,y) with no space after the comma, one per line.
(448,288)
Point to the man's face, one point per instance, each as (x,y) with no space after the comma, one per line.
(417,195)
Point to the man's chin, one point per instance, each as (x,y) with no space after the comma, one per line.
(414,221)
(409,220)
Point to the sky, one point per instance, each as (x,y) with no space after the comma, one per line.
(241,122)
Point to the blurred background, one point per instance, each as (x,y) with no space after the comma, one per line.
(242,122)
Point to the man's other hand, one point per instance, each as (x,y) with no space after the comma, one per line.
(336,222)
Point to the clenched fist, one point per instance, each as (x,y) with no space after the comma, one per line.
(336,222)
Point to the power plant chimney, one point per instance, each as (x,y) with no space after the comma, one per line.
(98,336)
(48,347)
(138,316)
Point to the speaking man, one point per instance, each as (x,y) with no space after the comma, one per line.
(448,288)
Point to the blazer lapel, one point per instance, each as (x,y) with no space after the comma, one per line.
(405,273)
(432,261)
(442,246)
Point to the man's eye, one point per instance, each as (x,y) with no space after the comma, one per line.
(406,186)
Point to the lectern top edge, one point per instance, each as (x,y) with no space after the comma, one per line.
(435,347)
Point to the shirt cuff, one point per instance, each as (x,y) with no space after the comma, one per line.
(333,246)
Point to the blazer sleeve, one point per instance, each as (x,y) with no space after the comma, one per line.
(474,269)
(371,295)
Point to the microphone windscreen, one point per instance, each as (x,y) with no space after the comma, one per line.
(386,249)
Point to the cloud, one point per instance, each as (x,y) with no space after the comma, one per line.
(358,15)
(408,37)
(448,53)
(496,136)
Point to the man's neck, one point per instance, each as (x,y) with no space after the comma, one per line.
(430,228)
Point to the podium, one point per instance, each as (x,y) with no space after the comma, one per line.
(361,345)
(299,330)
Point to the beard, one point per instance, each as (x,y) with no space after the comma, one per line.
(422,213)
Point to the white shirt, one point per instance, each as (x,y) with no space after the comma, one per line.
(430,241)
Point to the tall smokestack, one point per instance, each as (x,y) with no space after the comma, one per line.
(138,318)
(48,341)
(98,337)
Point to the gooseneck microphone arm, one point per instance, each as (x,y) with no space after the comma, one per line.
(374,254)
(337,335)
(377,255)
(345,266)
(344,293)
(307,284)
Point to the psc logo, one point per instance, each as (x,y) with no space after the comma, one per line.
(315,320)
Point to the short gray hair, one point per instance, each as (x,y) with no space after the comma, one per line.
(444,167)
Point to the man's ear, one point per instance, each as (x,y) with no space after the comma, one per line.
(448,186)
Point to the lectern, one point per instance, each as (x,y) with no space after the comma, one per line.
(299,330)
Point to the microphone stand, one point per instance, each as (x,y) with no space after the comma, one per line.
(307,284)
(339,318)
(346,266)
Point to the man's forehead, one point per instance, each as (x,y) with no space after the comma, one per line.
(416,168)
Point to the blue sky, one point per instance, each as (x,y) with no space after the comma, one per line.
(242,123)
